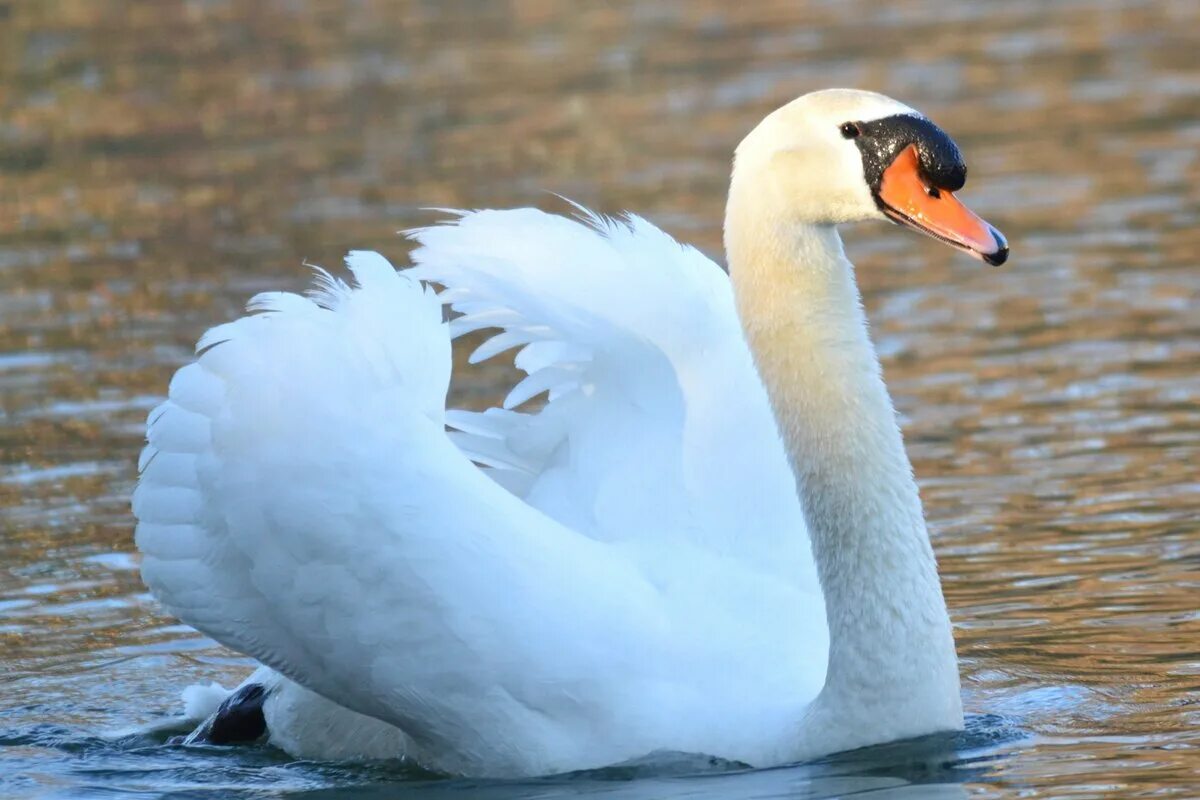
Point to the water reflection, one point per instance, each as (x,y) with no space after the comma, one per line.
(932,767)
(160,163)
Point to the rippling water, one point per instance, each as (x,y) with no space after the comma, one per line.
(161,162)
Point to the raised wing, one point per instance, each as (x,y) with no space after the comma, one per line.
(617,588)
(657,425)
(300,502)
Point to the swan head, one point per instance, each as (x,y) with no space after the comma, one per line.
(843,155)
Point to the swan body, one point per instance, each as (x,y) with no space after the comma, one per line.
(708,539)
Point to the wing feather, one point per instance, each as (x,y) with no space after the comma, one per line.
(300,502)
(591,591)
(656,410)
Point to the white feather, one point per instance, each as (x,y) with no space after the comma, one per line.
(628,569)
(302,503)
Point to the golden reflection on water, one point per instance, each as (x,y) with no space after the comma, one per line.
(161,162)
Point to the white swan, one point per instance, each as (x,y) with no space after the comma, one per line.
(629,568)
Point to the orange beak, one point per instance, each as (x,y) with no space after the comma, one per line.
(907,199)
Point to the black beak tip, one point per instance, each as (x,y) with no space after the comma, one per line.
(1001,253)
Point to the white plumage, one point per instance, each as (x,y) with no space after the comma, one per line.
(615,589)
(623,569)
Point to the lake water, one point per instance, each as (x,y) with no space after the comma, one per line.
(160,162)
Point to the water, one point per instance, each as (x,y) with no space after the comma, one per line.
(161,162)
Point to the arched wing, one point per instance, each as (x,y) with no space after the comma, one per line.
(656,424)
(610,582)
(299,501)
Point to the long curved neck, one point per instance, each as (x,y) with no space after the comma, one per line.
(892,669)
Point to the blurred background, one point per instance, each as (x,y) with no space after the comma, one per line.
(162,161)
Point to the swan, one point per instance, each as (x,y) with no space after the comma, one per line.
(708,538)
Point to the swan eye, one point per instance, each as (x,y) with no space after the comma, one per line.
(850,130)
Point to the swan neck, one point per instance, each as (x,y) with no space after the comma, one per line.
(892,665)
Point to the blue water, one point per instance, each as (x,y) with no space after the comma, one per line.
(143,763)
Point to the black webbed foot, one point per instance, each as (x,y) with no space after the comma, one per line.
(239,719)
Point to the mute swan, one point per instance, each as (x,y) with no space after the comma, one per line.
(633,567)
